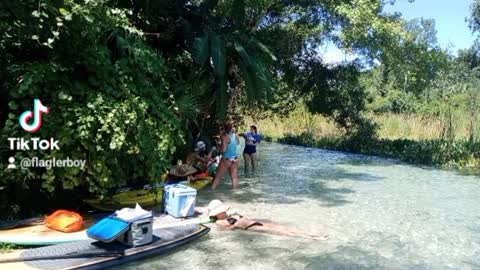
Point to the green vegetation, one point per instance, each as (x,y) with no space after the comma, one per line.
(5,248)
(419,103)
(132,84)
(407,138)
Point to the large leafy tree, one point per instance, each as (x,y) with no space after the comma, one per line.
(164,66)
(406,72)
(110,104)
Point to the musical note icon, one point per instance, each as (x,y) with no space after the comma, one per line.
(38,109)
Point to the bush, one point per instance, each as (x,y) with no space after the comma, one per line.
(459,154)
(109,100)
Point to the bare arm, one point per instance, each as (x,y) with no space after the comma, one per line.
(209,156)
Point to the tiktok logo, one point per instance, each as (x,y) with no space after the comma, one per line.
(38,109)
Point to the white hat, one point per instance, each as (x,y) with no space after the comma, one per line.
(216,207)
(200,146)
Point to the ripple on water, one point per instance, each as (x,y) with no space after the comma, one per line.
(378,214)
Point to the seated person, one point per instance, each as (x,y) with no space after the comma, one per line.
(228,219)
(199,158)
(212,169)
(182,172)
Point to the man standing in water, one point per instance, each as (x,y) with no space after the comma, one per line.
(229,161)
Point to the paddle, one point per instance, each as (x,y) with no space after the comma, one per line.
(7,225)
(65,256)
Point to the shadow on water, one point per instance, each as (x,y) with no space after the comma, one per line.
(381,214)
(249,247)
(290,175)
(327,196)
(339,174)
(354,258)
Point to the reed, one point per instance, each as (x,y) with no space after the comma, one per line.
(412,138)
(391,126)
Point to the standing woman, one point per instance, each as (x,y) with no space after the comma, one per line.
(229,161)
(252,138)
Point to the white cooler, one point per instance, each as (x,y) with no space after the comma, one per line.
(180,200)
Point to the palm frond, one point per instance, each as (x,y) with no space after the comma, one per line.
(218,55)
(188,106)
(264,49)
(242,52)
(200,52)
(222,98)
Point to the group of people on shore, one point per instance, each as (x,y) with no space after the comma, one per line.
(223,157)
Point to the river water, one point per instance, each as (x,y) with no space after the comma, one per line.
(377,214)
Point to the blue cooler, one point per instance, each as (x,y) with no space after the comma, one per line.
(180,200)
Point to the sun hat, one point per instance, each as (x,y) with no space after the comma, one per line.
(216,207)
(182,170)
(200,146)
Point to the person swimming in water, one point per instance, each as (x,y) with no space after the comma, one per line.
(228,219)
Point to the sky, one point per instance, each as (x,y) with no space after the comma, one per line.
(449,15)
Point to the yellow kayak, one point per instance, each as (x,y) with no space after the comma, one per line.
(200,183)
(144,197)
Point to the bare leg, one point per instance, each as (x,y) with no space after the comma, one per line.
(247,158)
(221,170)
(253,158)
(283,230)
(234,173)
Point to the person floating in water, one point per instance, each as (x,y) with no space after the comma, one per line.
(229,161)
(226,218)
(252,138)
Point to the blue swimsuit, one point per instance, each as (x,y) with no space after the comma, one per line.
(251,138)
(231,153)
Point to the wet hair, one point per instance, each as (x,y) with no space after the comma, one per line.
(227,127)
(254,128)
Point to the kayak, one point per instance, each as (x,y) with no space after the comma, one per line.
(90,254)
(199,183)
(144,197)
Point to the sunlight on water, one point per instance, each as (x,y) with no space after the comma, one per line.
(377,213)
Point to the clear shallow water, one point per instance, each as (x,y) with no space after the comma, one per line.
(377,213)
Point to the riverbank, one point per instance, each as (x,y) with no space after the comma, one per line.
(411,139)
(460,155)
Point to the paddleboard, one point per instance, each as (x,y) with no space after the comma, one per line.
(92,255)
(40,235)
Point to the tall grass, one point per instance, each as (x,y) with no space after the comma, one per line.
(391,126)
(417,127)
(297,122)
(411,138)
